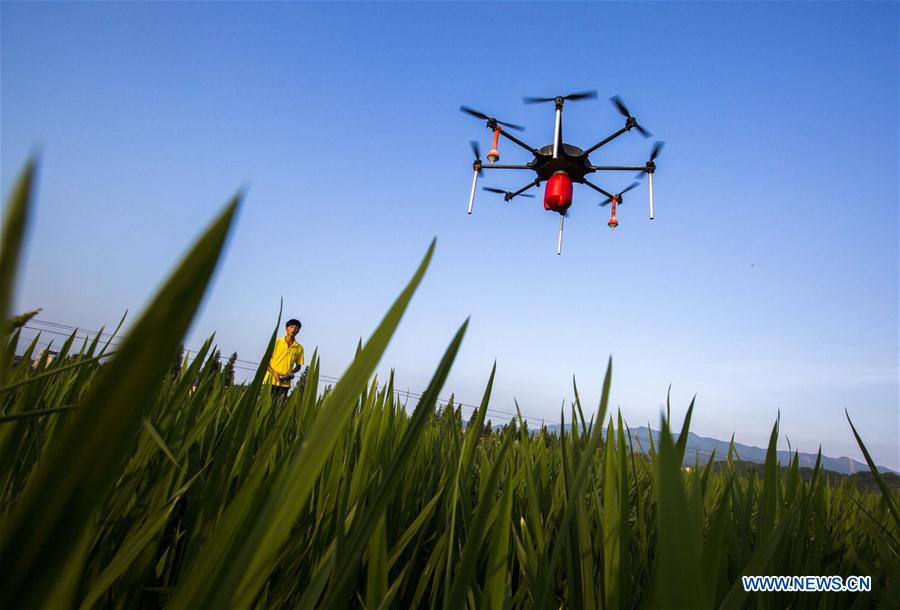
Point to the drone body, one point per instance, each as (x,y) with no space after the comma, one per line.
(560,165)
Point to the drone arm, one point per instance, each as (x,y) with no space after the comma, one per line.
(534,183)
(516,140)
(607,140)
(598,189)
(630,168)
(506,167)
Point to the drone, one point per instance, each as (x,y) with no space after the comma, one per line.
(560,164)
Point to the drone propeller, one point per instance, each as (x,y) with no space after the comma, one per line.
(481,115)
(477,151)
(619,195)
(581,95)
(618,103)
(657,147)
(506,194)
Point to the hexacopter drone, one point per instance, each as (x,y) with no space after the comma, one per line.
(560,164)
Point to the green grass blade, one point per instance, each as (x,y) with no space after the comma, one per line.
(54,371)
(377,566)
(249,559)
(15,225)
(768,502)
(755,566)
(681,445)
(477,531)
(678,567)
(879,480)
(87,451)
(463,470)
(714,547)
(426,513)
(36,413)
(132,545)
(395,470)
(612,522)
(495,580)
(154,434)
(575,490)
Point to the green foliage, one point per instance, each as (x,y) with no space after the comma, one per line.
(228,371)
(141,484)
(20,320)
(177,362)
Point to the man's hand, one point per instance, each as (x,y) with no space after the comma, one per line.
(286,377)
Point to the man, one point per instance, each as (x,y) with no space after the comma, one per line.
(287,359)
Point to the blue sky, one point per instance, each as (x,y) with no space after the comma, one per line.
(768,280)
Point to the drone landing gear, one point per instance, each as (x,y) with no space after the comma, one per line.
(472,194)
(562,218)
(476,171)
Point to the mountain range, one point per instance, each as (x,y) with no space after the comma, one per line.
(703,447)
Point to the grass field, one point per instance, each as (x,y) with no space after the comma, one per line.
(124,487)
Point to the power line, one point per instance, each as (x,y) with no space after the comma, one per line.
(251,366)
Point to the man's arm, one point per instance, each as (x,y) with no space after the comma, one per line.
(298,364)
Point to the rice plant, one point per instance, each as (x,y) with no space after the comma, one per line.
(124,486)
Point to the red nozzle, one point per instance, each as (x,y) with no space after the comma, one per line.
(494,156)
(613,221)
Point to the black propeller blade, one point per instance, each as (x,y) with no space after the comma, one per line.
(481,115)
(657,147)
(581,95)
(622,192)
(618,103)
(476,150)
(507,195)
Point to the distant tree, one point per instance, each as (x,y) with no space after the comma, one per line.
(472,418)
(488,427)
(228,373)
(448,415)
(215,362)
(175,369)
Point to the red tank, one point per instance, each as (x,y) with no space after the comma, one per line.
(558,193)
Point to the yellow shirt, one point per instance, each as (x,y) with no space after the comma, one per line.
(284,357)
